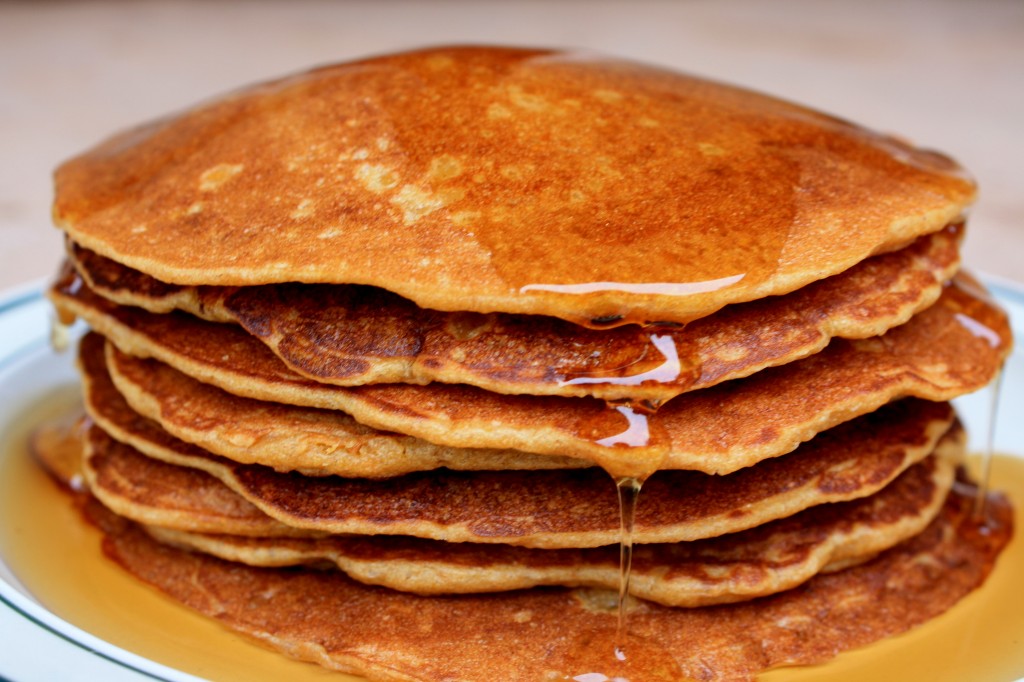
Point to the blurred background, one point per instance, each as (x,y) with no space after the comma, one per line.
(947,74)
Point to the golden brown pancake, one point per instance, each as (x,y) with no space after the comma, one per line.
(525,635)
(564,508)
(352,335)
(260,432)
(166,495)
(765,415)
(433,174)
(408,249)
(764,560)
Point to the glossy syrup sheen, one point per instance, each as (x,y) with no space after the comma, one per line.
(57,558)
(462,177)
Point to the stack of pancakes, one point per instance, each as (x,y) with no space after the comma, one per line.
(391,331)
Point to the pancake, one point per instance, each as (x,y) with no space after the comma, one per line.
(176,497)
(542,268)
(331,442)
(765,415)
(778,555)
(562,508)
(351,335)
(432,174)
(770,558)
(326,618)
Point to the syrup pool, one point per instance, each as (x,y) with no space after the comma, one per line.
(57,558)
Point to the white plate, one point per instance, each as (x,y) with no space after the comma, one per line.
(36,645)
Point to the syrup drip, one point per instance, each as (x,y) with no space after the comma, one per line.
(629,494)
(979,330)
(60,331)
(639,288)
(70,283)
(629,474)
(667,372)
(637,434)
(985,469)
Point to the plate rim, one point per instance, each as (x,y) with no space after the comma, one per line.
(15,599)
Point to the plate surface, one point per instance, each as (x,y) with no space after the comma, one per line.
(37,644)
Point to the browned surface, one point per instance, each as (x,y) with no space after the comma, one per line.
(313,441)
(525,635)
(764,560)
(150,491)
(576,508)
(351,335)
(476,179)
(719,430)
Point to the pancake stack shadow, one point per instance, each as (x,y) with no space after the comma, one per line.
(344,379)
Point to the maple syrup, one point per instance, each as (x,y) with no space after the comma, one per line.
(60,330)
(57,558)
(985,467)
(629,659)
(629,474)
(629,493)
(630,462)
(669,371)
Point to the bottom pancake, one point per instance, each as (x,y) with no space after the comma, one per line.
(556,634)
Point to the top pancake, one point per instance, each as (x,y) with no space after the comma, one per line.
(526,181)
